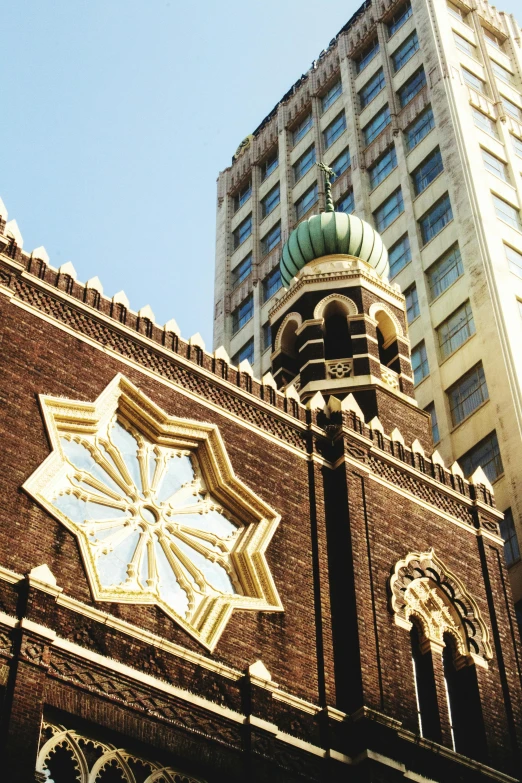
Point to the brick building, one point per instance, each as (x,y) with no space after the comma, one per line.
(205,577)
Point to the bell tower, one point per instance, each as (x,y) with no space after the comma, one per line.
(340,328)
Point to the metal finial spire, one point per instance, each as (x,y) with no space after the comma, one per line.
(328,172)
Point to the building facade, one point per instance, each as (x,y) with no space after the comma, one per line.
(417,107)
(202,579)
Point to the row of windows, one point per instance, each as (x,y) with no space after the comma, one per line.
(478,84)
(430,224)
(268,242)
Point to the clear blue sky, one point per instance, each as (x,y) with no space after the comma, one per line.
(118,116)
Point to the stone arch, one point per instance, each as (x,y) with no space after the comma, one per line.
(422,588)
(347,304)
(286,328)
(388,334)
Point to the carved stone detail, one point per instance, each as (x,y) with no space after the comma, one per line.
(423,588)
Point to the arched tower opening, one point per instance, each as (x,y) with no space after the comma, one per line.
(337,339)
(387,341)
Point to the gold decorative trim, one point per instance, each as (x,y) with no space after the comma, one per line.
(256,521)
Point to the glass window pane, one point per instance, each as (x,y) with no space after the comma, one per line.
(271,240)
(242,196)
(485,123)
(268,166)
(267,336)
(405,51)
(367,56)
(242,232)
(419,363)
(455,330)
(246,352)
(445,271)
(507,212)
(302,129)
(508,533)
(434,221)
(514,259)
(426,172)
(346,203)
(502,73)
(376,125)
(334,130)
(474,81)
(399,18)
(419,128)
(331,96)
(411,87)
(399,255)
(517,145)
(242,271)
(304,164)
(382,167)
(465,46)
(242,314)
(412,303)
(434,423)
(494,165)
(467,394)
(511,108)
(372,88)
(270,201)
(307,200)
(271,284)
(485,454)
(342,162)
(389,210)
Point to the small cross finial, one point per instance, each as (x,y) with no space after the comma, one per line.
(328,173)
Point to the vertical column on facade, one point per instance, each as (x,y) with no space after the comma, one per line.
(359,184)
(316,114)
(222,270)
(255,174)
(285,182)
(442,695)
(479,35)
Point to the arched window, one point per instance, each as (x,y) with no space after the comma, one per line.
(464,707)
(337,339)
(425,692)
(287,342)
(387,341)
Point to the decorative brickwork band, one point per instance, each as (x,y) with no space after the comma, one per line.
(424,589)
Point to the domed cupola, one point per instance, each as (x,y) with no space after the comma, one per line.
(340,328)
(332,233)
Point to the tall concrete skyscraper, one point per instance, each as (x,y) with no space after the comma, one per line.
(417,107)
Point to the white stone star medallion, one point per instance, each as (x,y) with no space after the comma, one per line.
(158,512)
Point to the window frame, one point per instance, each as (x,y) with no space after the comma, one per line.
(454,250)
(238,318)
(420,75)
(372,88)
(237,276)
(309,151)
(400,203)
(517,221)
(405,239)
(268,204)
(421,348)
(264,250)
(269,165)
(455,330)
(412,293)
(237,232)
(460,403)
(365,59)
(490,164)
(430,174)
(331,96)
(238,358)
(493,437)
(268,290)
(433,209)
(300,210)
(346,196)
(384,111)
(489,125)
(346,151)
(428,111)
(390,153)
(413,37)
(329,140)
(304,127)
(397,21)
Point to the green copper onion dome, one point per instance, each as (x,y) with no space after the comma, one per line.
(332,233)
